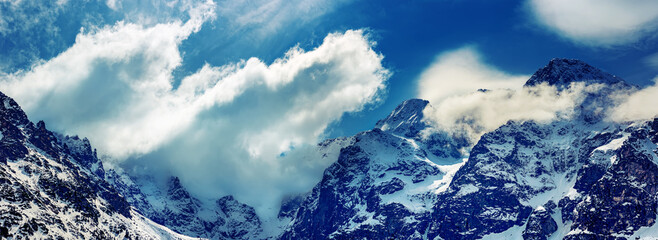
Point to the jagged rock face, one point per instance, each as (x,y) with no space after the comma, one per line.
(47,189)
(623,198)
(407,121)
(83,152)
(540,224)
(11,118)
(380,187)
(241,221)
(382,184)
(174,207)
(181,215)
(601,174)
(604,177)
(505,170)
(521,166)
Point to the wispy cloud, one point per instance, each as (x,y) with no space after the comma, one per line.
(597,22)
(265,17)
(33,31)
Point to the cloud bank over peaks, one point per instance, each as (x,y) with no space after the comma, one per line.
(462,71)
(601,23)
(470,98)
(637,105)
(474,114)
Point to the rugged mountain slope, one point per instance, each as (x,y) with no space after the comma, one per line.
(384,183)
(578,178)
(174,207)
(582,178)
(52,187)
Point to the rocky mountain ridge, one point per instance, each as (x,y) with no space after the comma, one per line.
(53,187)
(568,179)
(578,178)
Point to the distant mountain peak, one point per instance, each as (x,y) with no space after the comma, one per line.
(561,72)
(406,119)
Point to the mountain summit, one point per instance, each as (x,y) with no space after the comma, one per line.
(406,119)
(561,72)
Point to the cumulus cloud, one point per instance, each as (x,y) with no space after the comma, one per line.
(109,78)
(638,105)
(462,71)
(474,114)
(260,142)
(597,22)
(470,98)
(245,129)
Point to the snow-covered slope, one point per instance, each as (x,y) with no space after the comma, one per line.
(582,178)
(52,187)
(381,184)
(578,178)
(384,183)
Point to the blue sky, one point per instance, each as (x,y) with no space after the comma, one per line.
(411,34)
(215,91)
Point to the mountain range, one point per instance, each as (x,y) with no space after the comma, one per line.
(582,177)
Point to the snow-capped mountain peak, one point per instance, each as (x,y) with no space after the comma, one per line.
(561,72)
(406,119)
(524,180)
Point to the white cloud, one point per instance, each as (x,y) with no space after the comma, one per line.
(638,105)
(462,71)
(597,22)
(223,129)
(113,4)
(34,30)
(107,80)
(474,114)
(451,85)
(285,107)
